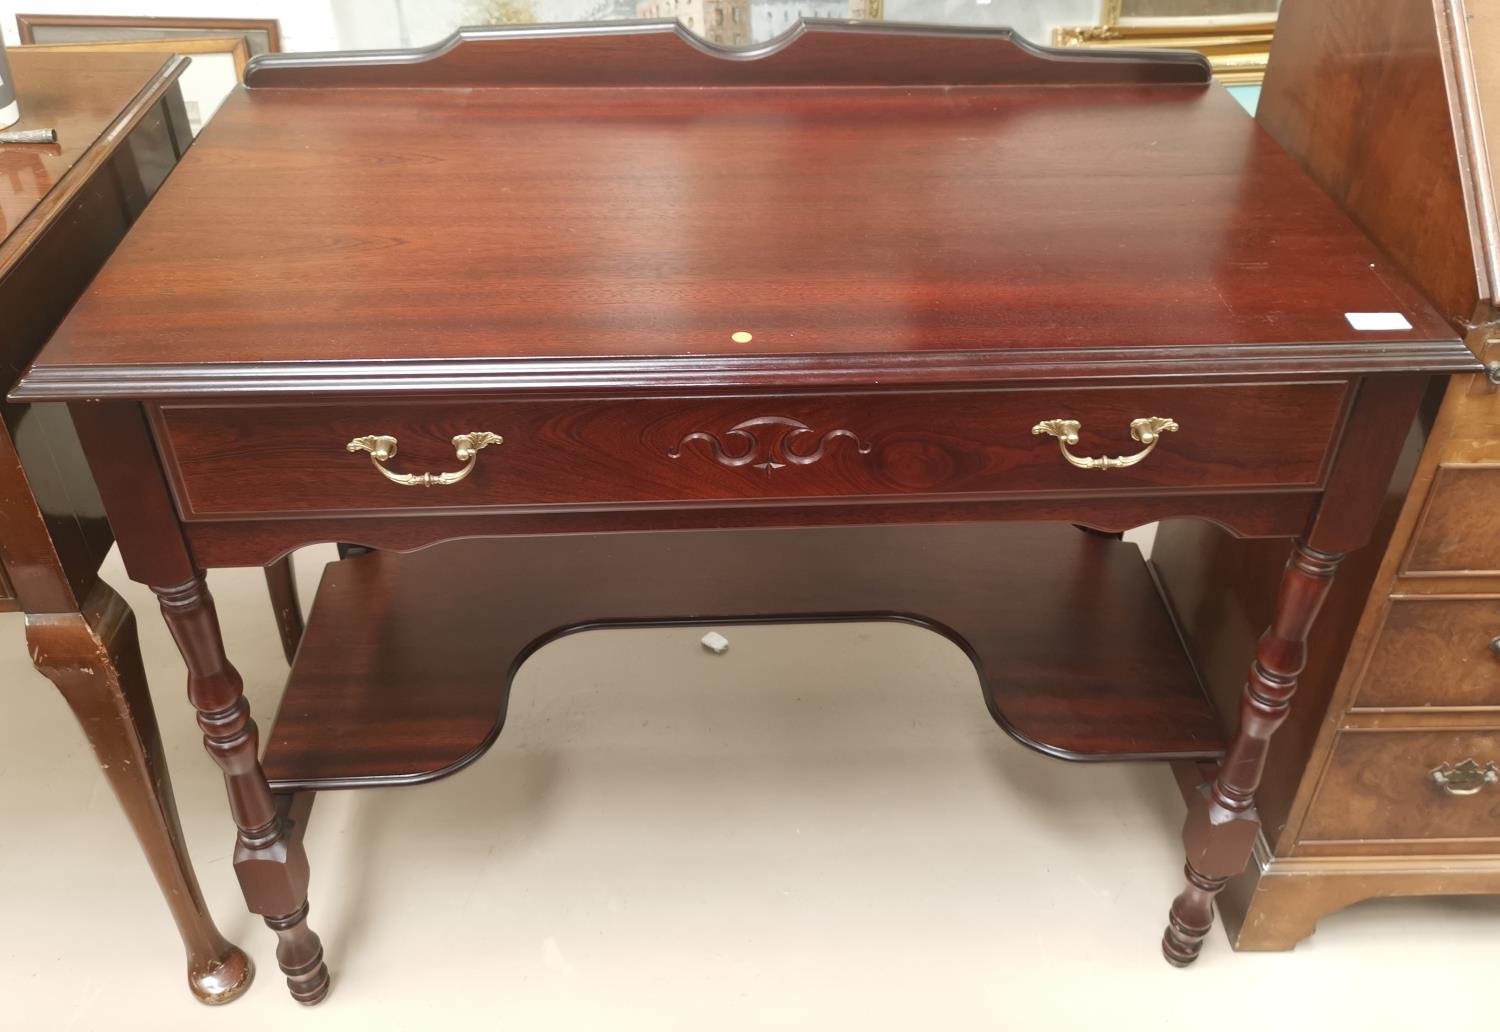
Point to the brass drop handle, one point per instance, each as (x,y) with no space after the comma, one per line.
(1147,430)
(466,446)
(1465,779)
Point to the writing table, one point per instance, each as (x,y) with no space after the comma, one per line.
(608,278)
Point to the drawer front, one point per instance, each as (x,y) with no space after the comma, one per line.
(558,453)
(1379,787)
(1459,531)
(1435,653)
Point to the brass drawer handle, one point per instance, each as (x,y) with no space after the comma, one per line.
(1465,779)
(466,446)
(1495,646)
(1147,430)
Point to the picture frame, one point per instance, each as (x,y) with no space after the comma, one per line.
(262,35)
(1128,12)
(1235,35)
(218,66)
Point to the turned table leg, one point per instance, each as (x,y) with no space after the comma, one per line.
(269,858)
(94,659)
(1222,822)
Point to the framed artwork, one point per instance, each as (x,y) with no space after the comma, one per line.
(1126,11)
(262,35)
(218,66)
(1235,35)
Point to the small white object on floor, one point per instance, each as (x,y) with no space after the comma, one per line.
(716,643)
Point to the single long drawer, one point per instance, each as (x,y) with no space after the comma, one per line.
(1434,653)
(1380,786)
(570,452)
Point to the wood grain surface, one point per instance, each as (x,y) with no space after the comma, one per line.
(560,452)
(1397,165)
(406,664)
(1378,789)
(1459,529)
(100,88)
(879,225)
(1433,654)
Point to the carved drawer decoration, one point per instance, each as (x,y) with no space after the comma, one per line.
(769,443)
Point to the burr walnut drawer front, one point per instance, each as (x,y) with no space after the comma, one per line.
(1434,653)
(240,461)
(1459,529)
(1425,787)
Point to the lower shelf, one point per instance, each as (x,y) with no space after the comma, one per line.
(405,667)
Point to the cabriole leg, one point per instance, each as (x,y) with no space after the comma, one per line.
(269,858)
(94,659)
(1222,822)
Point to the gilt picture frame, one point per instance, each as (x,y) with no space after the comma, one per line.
(1235,35)
(262,35)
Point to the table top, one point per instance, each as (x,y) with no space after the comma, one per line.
(1033,222)
(79,95)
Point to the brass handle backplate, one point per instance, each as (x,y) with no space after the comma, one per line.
(1147,430)
(1465,779)
(465,446)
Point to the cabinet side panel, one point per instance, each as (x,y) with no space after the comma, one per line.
(1356,91)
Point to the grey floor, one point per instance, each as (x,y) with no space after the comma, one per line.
(820,829)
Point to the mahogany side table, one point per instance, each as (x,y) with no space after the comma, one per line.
(610,278)
(63,208)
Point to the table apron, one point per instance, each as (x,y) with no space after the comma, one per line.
(229,543)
